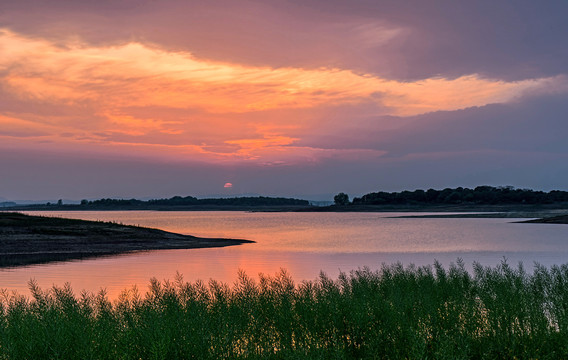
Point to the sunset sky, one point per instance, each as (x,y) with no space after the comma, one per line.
(156,98)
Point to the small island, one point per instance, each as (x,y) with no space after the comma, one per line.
(27,240)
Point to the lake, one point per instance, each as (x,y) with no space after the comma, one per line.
(302,243)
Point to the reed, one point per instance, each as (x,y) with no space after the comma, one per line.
(397,312)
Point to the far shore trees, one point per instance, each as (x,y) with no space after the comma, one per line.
(480,195)
(341,199)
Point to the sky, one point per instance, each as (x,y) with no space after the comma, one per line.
(156,98)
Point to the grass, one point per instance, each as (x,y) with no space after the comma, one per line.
(398,312)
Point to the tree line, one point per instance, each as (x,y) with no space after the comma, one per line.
(193,201)
(479,195)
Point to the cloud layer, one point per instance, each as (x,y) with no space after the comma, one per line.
(311,87)
(135,95)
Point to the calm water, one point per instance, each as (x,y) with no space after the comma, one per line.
(303,243)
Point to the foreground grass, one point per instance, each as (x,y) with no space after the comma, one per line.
(395,313)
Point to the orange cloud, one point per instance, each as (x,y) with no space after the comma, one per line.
(134,74)
(104,84)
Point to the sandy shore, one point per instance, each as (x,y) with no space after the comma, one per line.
(26,240)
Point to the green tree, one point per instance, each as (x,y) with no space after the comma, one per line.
(341,199)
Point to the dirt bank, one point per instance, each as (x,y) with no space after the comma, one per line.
(26,240)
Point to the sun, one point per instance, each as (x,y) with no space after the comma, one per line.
(228,185)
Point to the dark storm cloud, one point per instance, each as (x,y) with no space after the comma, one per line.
(537,124)
(502,39)
(397,39)
(530,125)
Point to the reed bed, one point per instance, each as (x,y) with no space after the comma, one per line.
(397,312)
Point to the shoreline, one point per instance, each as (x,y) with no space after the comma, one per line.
(527,211)
(29,240)
(536,217)
(561,219)
(493,208)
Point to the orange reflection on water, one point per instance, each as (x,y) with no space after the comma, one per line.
(117,273)
(301,243)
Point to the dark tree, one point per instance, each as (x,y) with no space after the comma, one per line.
(341,199)
(480,195)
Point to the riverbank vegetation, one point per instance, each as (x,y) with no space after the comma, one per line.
(399,312)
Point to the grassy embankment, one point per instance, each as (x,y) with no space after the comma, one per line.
(395,313)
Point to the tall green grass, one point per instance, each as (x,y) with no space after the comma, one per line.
(429,312)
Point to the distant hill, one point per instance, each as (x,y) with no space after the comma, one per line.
(481,195)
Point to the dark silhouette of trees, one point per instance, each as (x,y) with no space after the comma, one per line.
(341,199)
(179,201)
(485,195)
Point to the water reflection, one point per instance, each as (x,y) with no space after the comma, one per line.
(304,244)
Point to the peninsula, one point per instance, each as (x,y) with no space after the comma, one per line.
(561,219)
(26,240)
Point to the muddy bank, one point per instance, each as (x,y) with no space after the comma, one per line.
(561,219)
(26,240)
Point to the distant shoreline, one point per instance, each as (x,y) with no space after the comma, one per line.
(502,199)
(497,208)
(28,240)
(157,208)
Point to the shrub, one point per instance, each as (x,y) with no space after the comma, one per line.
(394,313)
